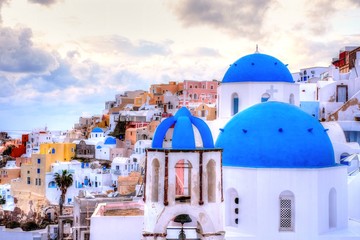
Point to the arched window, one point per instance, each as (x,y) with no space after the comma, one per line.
(344,155)
(265,97)
(155,181)
(211,180)
(195,96)
(53,151)
(332,208)
(287,211)
(52,184)
(232,208)
(235,104)
(183,181)
(291,99)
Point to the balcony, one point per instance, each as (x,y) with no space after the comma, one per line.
(116,172)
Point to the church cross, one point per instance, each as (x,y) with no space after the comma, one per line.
(271,91)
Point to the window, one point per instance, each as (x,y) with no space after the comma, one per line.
(291,99)
(52,184)
(211,177)
(287,208)
(183,181)
(332,208)
(53,151)
(38,170)
(232,208)
(265,97)
(39,181)
(28,180)
(39,160)
(235,104)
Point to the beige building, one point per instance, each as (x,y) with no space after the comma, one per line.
(10,171)
(205,111)
(30,189)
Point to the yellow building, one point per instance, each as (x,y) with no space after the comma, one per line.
(31,185)
(62,152)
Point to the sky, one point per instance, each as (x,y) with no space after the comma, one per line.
(62,59)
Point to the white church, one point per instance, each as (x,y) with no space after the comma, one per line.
(271,173)
(264,170)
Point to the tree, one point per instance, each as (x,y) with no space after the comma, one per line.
(63,182)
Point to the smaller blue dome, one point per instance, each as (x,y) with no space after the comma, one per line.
(110,141)
(99,147)
(97,130)
(183,135)
(258,67)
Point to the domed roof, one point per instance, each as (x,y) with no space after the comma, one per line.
(258,67)
(97,130)
(183,135)
(110,141)
(275,135)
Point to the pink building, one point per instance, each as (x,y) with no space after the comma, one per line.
(199,92)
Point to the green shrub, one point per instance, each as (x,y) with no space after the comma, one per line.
(12,224)
(29,226)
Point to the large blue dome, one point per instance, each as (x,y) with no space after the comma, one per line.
(258,67)
(183,135)
(275,135)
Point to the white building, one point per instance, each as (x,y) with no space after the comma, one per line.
(102,149)
(253,79)
(86,176)
(37,137)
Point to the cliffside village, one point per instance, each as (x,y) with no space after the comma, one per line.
(106,153)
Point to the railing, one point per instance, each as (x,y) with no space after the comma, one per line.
(85,155)
(116,172)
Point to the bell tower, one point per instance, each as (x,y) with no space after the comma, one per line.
(183,183)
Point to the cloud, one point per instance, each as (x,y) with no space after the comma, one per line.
(355,2)
(7,88)
(318,14)
(204,51)
(44,2)
(122,45)
(237,17)
(2,2)
(17,53)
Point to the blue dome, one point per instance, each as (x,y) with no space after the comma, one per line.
(99,147)
(275,135)
(183,135)
(110,140)
(258,67)
(97,130)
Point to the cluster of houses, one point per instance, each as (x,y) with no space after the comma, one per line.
(106,154)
